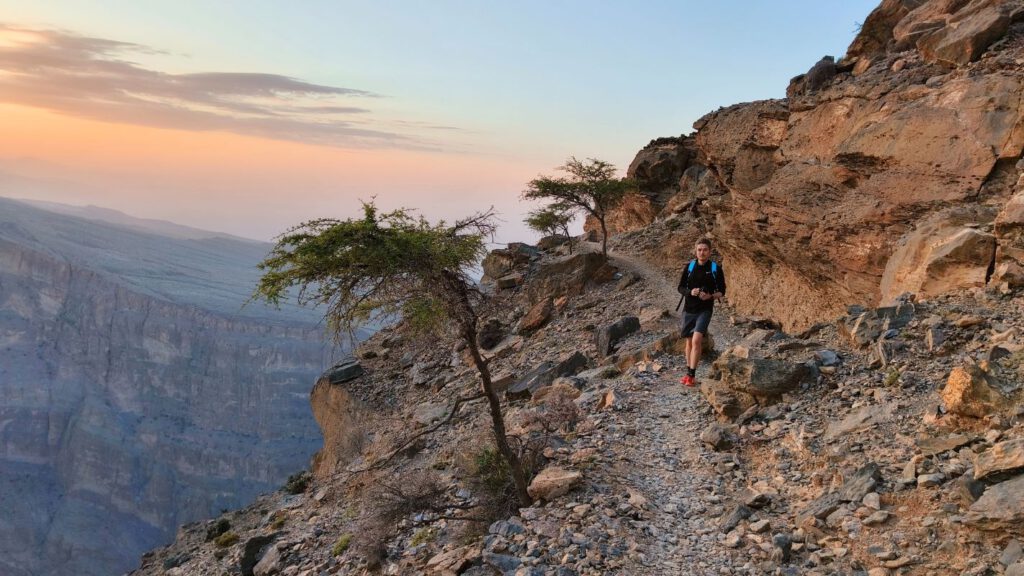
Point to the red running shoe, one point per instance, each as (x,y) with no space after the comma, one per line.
(688,381)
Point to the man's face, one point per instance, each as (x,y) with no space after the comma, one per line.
(702,252)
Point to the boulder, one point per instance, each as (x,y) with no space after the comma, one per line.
(1004,457)
(875,33)
(818,76)
(269,563)
(661,163)
(490,334)
(863,327)
(544,374)
(935,445)
(972,391)
(252,551)
(422,373)
(509,281)
(861,419)
(609,399)
(727,403)
(553,482)
(606,338)
(1000,508)
(503,261)
(347,369)
(564,276)
(548,243)
(635,211)
(560,388)
(966,33)
(453,561)
(717,437)
(942,255)
(762,378)
(862,483)
(536,317)
(503,563)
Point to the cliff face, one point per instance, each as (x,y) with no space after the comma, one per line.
(125,414)
(853,188)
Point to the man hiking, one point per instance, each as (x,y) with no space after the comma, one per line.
(702,282)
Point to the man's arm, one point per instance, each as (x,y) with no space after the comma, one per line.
(682,280)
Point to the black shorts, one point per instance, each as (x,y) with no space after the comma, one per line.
(696,322)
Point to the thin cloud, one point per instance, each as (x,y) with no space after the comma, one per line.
(90,78)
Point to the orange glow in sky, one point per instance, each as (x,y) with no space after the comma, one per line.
(210,179)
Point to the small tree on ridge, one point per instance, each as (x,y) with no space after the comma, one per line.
(392,265)
(552,220)
(590,186)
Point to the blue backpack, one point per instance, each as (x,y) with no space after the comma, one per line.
(714,270)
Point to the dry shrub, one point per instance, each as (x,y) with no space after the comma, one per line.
(387,502)
(488,476)
(557,413)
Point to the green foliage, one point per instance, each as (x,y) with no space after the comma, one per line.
(892,377)
(382,266)
(423,535)
(491,472)
(341,544)
(226,539)
(297,483)
(589,186)
(280,517)
(219,527)
(551,220)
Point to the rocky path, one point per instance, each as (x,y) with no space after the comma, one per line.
(662,459)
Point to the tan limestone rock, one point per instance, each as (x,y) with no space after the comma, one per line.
(1003,457)
(634,212)
(1009,232)
(451,562)
(940,256)
(764,378)
(536,316)
(971,391)
(341,420)
(553,482)
(564,276)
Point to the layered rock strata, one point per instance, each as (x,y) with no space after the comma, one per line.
(124,415)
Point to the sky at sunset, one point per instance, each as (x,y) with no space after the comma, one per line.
(249,117)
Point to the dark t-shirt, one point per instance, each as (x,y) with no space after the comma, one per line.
(702,278)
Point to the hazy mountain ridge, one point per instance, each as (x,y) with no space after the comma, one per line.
(216,272)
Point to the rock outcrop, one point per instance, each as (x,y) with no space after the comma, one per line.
(849,190)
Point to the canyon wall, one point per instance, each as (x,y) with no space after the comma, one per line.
(136,394)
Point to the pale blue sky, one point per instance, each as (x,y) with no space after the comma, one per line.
(528,82)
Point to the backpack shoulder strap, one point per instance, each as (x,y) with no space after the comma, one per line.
(689,268)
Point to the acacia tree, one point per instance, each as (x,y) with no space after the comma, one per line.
(551,220)
(589,186)
(392,265)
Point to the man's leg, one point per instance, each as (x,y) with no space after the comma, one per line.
(686,349)
(694,348)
